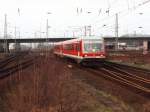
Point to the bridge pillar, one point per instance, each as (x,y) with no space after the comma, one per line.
(6,47)
(17,47)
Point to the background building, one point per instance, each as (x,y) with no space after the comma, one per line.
(128,43)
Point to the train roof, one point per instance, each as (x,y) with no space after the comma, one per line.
(79,39)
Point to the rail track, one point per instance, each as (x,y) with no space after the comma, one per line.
(11,58)
(132,69)
(127,77)
(6,61)
(14,63)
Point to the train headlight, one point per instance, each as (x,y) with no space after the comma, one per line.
(93,50)
(85,55)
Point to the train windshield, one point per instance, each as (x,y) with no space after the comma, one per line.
(92,46)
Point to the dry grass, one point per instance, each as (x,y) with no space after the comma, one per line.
(48,86)
(45,87)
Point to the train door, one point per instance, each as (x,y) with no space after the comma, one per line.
(78,48)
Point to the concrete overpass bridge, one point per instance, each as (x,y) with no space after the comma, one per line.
(6,42)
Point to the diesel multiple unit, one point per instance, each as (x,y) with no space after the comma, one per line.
(81,50)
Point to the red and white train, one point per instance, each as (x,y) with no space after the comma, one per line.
(81,50)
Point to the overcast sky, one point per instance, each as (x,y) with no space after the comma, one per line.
(64,18)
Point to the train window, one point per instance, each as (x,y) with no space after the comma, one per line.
(68,47)
(78,47)
(92,47)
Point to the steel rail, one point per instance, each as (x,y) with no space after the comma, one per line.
(128,82)
(10,70)
(112,75)
(142,70)
(132,76)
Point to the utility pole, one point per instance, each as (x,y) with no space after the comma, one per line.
(5,35)
(47,37)
(116,32)
(15,33)
(15,38)
(85,31)
(40,31)
(89,28)
(47,30)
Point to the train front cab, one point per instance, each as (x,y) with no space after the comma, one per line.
(92,51)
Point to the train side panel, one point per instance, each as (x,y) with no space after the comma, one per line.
(73,50)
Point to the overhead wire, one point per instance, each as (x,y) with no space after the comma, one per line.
(121,13)
(126,12)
